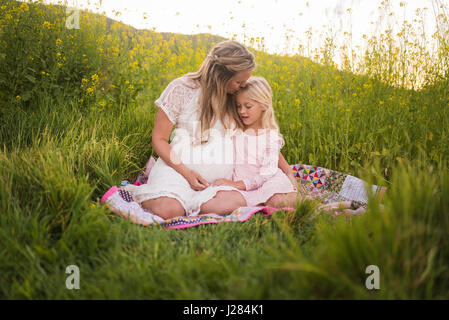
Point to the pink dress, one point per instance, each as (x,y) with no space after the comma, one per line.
(256,164)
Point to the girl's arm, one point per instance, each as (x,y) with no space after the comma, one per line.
(285,167)
(268,167)
(283,164)
(225,182)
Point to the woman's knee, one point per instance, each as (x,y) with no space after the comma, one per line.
(233,199)
(238,199)
(164,207)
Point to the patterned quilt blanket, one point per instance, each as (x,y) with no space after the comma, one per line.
(326,185)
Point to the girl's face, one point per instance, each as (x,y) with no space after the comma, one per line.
(238,81)
(250,111)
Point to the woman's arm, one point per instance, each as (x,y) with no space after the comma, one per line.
(159,141)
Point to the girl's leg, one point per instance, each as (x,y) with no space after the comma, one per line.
(224,202)
(164,207)
(336,205)
(280,200)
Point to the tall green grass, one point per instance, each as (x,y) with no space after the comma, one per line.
(65,145)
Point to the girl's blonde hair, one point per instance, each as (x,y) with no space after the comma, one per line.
(258,90)
(224,61)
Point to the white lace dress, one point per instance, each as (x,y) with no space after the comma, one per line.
(212,160)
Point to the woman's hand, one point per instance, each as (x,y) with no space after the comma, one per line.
(196,181)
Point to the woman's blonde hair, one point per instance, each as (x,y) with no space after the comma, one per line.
(258,90)
(224,61)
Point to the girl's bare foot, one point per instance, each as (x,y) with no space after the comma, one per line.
(336,205)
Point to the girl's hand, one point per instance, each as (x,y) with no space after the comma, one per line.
(196,181)
(223,182)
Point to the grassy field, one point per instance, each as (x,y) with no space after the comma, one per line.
(76,115)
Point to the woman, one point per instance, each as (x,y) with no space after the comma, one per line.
(201,106)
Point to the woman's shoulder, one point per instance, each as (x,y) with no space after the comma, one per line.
(178,91)
(185,81)
(176,97)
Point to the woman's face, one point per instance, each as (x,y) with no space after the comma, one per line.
(238,81)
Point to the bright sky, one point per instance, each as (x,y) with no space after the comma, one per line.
(272,19)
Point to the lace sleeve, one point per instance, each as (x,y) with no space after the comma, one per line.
(172,99)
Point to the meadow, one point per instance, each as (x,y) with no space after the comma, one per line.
(76,115)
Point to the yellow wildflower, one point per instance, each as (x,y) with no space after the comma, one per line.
(94,78)
(24,7)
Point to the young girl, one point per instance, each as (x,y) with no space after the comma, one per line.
(257,148)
